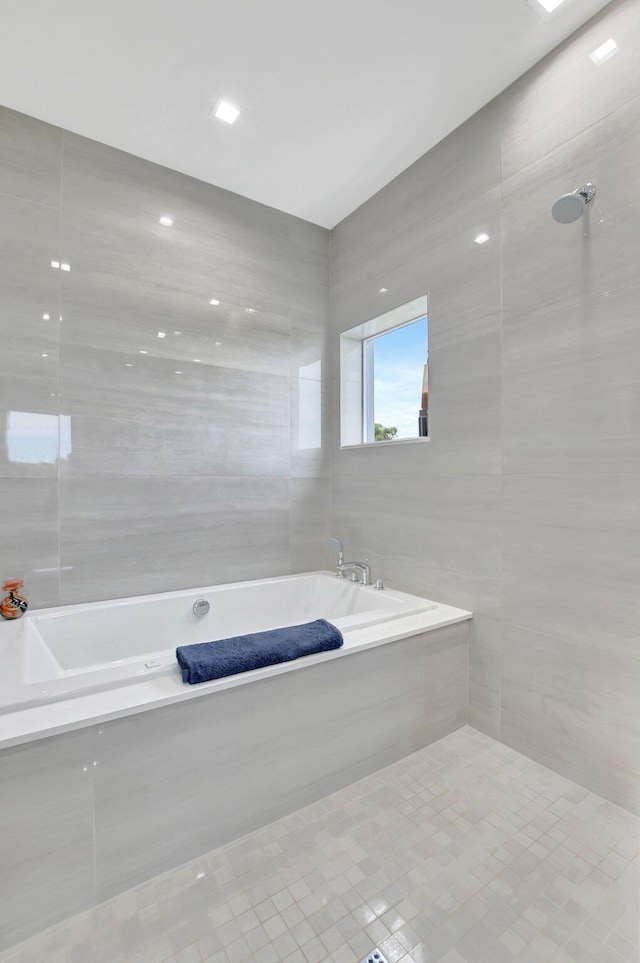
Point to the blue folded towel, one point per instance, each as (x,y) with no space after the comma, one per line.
(205,661)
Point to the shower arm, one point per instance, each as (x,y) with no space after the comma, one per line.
(588,191)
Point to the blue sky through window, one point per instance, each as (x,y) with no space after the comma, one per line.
(399,359)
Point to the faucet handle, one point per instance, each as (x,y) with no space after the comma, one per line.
(379,584)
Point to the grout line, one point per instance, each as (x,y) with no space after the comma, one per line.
(501,510)
(92,761)
(59,322)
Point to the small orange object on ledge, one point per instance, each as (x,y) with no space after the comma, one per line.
(13,605)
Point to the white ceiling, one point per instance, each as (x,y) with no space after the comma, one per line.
(337,96)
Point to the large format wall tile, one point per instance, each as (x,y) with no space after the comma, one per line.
(452,519)
(463,167)
(572,558)
(484,675)
(310,339)
(47,868)
(532,376)
(29,536)
(110,315)
(115,277)
(571,387)
(566,92)
(574,709)
(221,245)
(310,505)
(147,417)
(167,791)
(465,403)
(549,264)
(310,428)
(29,286)
(29,335)
(310,252)
(439,257)
(427,579)
(30,159)
(132,536)
(144,403)
(445,668)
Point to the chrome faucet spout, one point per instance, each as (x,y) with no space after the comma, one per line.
(355,567)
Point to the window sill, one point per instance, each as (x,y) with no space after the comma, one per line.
(380,444)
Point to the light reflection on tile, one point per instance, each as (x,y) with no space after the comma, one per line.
(310,428)
(31,438)
(309,414)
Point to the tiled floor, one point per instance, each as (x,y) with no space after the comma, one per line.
(465,851)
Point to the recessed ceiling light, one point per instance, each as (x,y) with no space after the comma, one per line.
(214,301)
(129,365)
(45,317)
(178,372)
(383,290)
(481,238)
(250,310)
(55,264)
(65,267)
(218,343)
(604,51)
(161,334)
(197,361)
(550,5)
(223,110)
(45,355)
(142,352)
(166,221)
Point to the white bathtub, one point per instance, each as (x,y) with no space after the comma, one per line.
(76,665)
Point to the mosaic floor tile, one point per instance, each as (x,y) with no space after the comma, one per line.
(465,852)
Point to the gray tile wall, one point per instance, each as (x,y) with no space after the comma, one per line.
(119,476)
(525,504)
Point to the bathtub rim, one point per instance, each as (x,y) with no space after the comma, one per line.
(42,721)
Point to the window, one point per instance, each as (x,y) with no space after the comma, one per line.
(384,377)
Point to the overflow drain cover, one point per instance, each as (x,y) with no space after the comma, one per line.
(375,956)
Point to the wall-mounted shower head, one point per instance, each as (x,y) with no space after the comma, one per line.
(571,207)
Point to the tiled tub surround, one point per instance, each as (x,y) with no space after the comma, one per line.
(71,666)
(524,504)
(464,852)
(89,813)
(131,463)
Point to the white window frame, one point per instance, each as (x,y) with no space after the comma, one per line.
(357,375)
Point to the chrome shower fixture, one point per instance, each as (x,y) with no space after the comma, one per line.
(571,207)
(336,546)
